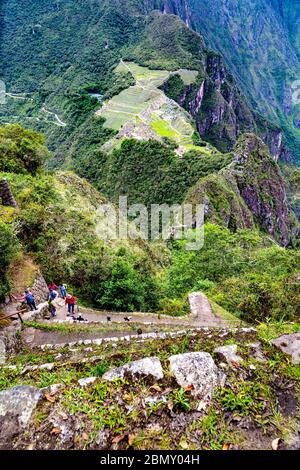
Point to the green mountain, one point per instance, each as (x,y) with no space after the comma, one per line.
(259,40)
(61,61)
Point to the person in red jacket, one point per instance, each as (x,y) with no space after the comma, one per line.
(70,302)
(52,287)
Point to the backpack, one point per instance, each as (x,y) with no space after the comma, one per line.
(53,294)
(29,298)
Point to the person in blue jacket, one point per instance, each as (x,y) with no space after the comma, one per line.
(29,297)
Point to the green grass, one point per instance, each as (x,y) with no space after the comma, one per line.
(164,129)
(269,331)
(222,313)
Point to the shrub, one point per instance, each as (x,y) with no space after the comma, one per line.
(8,249)
(124,289)
(22,150)
(174,307)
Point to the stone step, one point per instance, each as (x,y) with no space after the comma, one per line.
(115,339)
(146,336)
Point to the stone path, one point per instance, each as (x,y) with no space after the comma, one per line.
(148,323)
(201,310)
(201,316)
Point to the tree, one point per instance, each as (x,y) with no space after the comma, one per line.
(8,248)
(21,150)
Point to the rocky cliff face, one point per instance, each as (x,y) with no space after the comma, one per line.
(181,8)
(249,191)
(260,42)
(221,111)
(289,12)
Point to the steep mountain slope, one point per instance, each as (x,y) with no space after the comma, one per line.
(259,40)
(289,11)
(58,221)
(249,191)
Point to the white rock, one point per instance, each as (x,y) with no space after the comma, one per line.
(2,352)
(257,352)
(52,389)
(87,381)
(290,345)
(229,353)
(98,341)
(199,370)
(48,366)
(145,367)
(154,400)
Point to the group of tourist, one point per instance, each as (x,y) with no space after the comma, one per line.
(68,298)
(54,293)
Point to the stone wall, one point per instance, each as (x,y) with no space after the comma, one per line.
(40,289)
(10,341)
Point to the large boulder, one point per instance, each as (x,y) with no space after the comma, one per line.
(289,344)
(149,366)
(197,369)
(16,407)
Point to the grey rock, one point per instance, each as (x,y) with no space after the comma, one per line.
(48,366)
(52,389)
(42,310)
(149,366)
(16,407)
(2,352)
(229,354)
(199,370)
(102,439)
(248,330)
(290,345)
(256,352)
(10,339)
(87,381)
(292,442)
(69,427)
